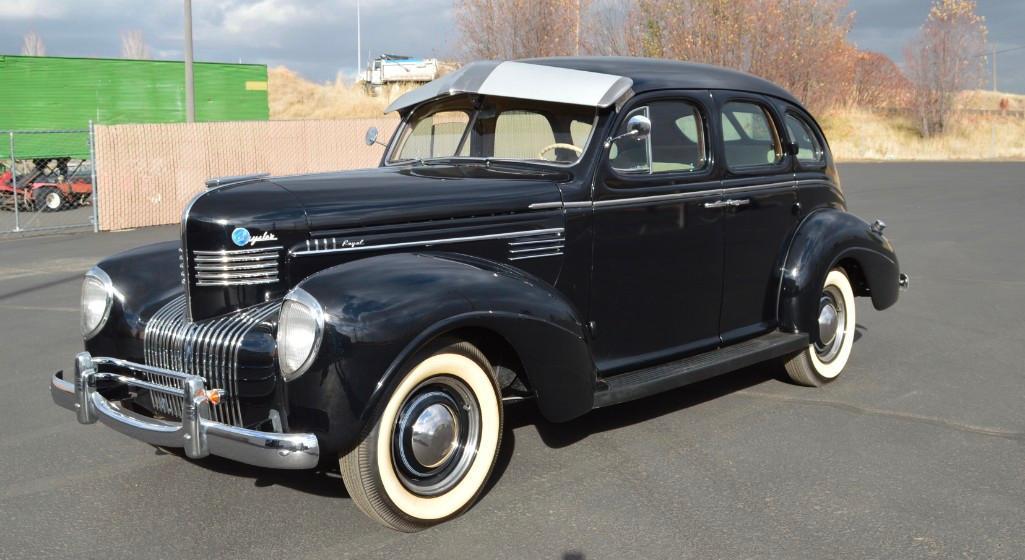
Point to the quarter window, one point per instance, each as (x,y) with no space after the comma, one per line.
(749,136)
(676,143)
(808,147)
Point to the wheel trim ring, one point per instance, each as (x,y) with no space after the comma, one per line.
(442,506)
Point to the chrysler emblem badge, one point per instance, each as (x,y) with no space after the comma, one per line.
(241,236)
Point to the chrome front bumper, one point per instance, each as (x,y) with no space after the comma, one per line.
(196,433)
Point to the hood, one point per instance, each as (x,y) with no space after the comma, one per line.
(237,237)
(390,195)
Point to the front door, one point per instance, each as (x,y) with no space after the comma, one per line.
(657,269)
(761,212)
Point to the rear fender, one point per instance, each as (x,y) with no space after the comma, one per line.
(825,239)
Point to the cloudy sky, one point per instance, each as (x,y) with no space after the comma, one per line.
(317,37)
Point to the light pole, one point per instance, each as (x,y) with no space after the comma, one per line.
(359,41)
(190,90)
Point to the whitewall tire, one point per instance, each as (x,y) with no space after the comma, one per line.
(434,444)
(825,358)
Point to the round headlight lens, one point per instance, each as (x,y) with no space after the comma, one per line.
(300,329)
(97,298)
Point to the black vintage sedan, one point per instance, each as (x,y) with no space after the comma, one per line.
(575,231)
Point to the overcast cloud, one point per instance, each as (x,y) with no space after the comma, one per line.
(318,37)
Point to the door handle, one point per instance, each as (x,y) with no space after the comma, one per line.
(735,202)
(717,204)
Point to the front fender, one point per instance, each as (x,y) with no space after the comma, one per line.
(825,239)
(144,278)
(380,311)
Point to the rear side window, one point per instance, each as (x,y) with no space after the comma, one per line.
(809,149)
(676,143)
(749,136)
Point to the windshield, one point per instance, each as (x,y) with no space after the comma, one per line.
(496,128)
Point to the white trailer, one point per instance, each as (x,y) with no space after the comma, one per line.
(396,69)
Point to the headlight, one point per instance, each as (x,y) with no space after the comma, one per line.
(97,297)
(300,330)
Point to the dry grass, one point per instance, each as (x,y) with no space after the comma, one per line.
(292,97)
(866,135)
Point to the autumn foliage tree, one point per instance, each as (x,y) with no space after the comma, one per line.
(802,45)
(944,59)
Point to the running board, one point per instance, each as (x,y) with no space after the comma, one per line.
(663,377)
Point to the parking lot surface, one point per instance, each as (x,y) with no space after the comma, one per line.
(918,451)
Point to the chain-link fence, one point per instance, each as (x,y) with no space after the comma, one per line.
(47,180)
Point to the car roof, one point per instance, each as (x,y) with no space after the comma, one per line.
(649,74)
(597,81)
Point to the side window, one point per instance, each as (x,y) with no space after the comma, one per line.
(435,136)
(808,147)
(676,143)
(749,136)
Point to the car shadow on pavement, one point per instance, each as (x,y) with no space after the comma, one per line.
(325,480)
(559,435)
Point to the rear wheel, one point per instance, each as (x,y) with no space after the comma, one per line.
(431,451)
(825,358)
(48,199)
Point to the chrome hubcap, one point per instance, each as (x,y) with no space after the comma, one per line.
(53,201)
(435,435)
(832,324)
(828,320)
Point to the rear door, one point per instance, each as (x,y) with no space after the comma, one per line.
(760,197)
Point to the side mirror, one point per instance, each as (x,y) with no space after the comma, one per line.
(371,137)
(638,128)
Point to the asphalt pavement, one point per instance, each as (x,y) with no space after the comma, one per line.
(916,452)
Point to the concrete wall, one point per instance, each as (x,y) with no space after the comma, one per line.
(146,173)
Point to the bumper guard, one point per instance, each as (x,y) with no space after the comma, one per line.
(197,433)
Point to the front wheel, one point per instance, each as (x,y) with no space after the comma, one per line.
(429,454)
(824,359)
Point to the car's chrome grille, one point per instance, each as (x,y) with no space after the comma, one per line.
(241,267)
(208,349)
(536,246)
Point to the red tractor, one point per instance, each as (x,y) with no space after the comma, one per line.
(49,187)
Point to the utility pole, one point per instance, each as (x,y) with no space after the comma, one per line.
(994,68)
(359,41)
(190,90)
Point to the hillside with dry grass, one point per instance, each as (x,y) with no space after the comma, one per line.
(292,97)
(989,127)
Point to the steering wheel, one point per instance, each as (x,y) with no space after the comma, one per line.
(551,147)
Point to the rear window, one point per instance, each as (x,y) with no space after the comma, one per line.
(809,149)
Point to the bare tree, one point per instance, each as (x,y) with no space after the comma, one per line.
(32,45)
(944,60)
(134,46)
(509,29)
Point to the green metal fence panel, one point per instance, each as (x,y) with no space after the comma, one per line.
(53,93)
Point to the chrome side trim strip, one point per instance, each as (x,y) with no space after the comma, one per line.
(535,242)
(544,205)
(424,243)
(520,258)
(746,188)
(581,204)
(556,246)
(658,198)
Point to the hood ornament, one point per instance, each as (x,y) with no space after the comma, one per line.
(242,237)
